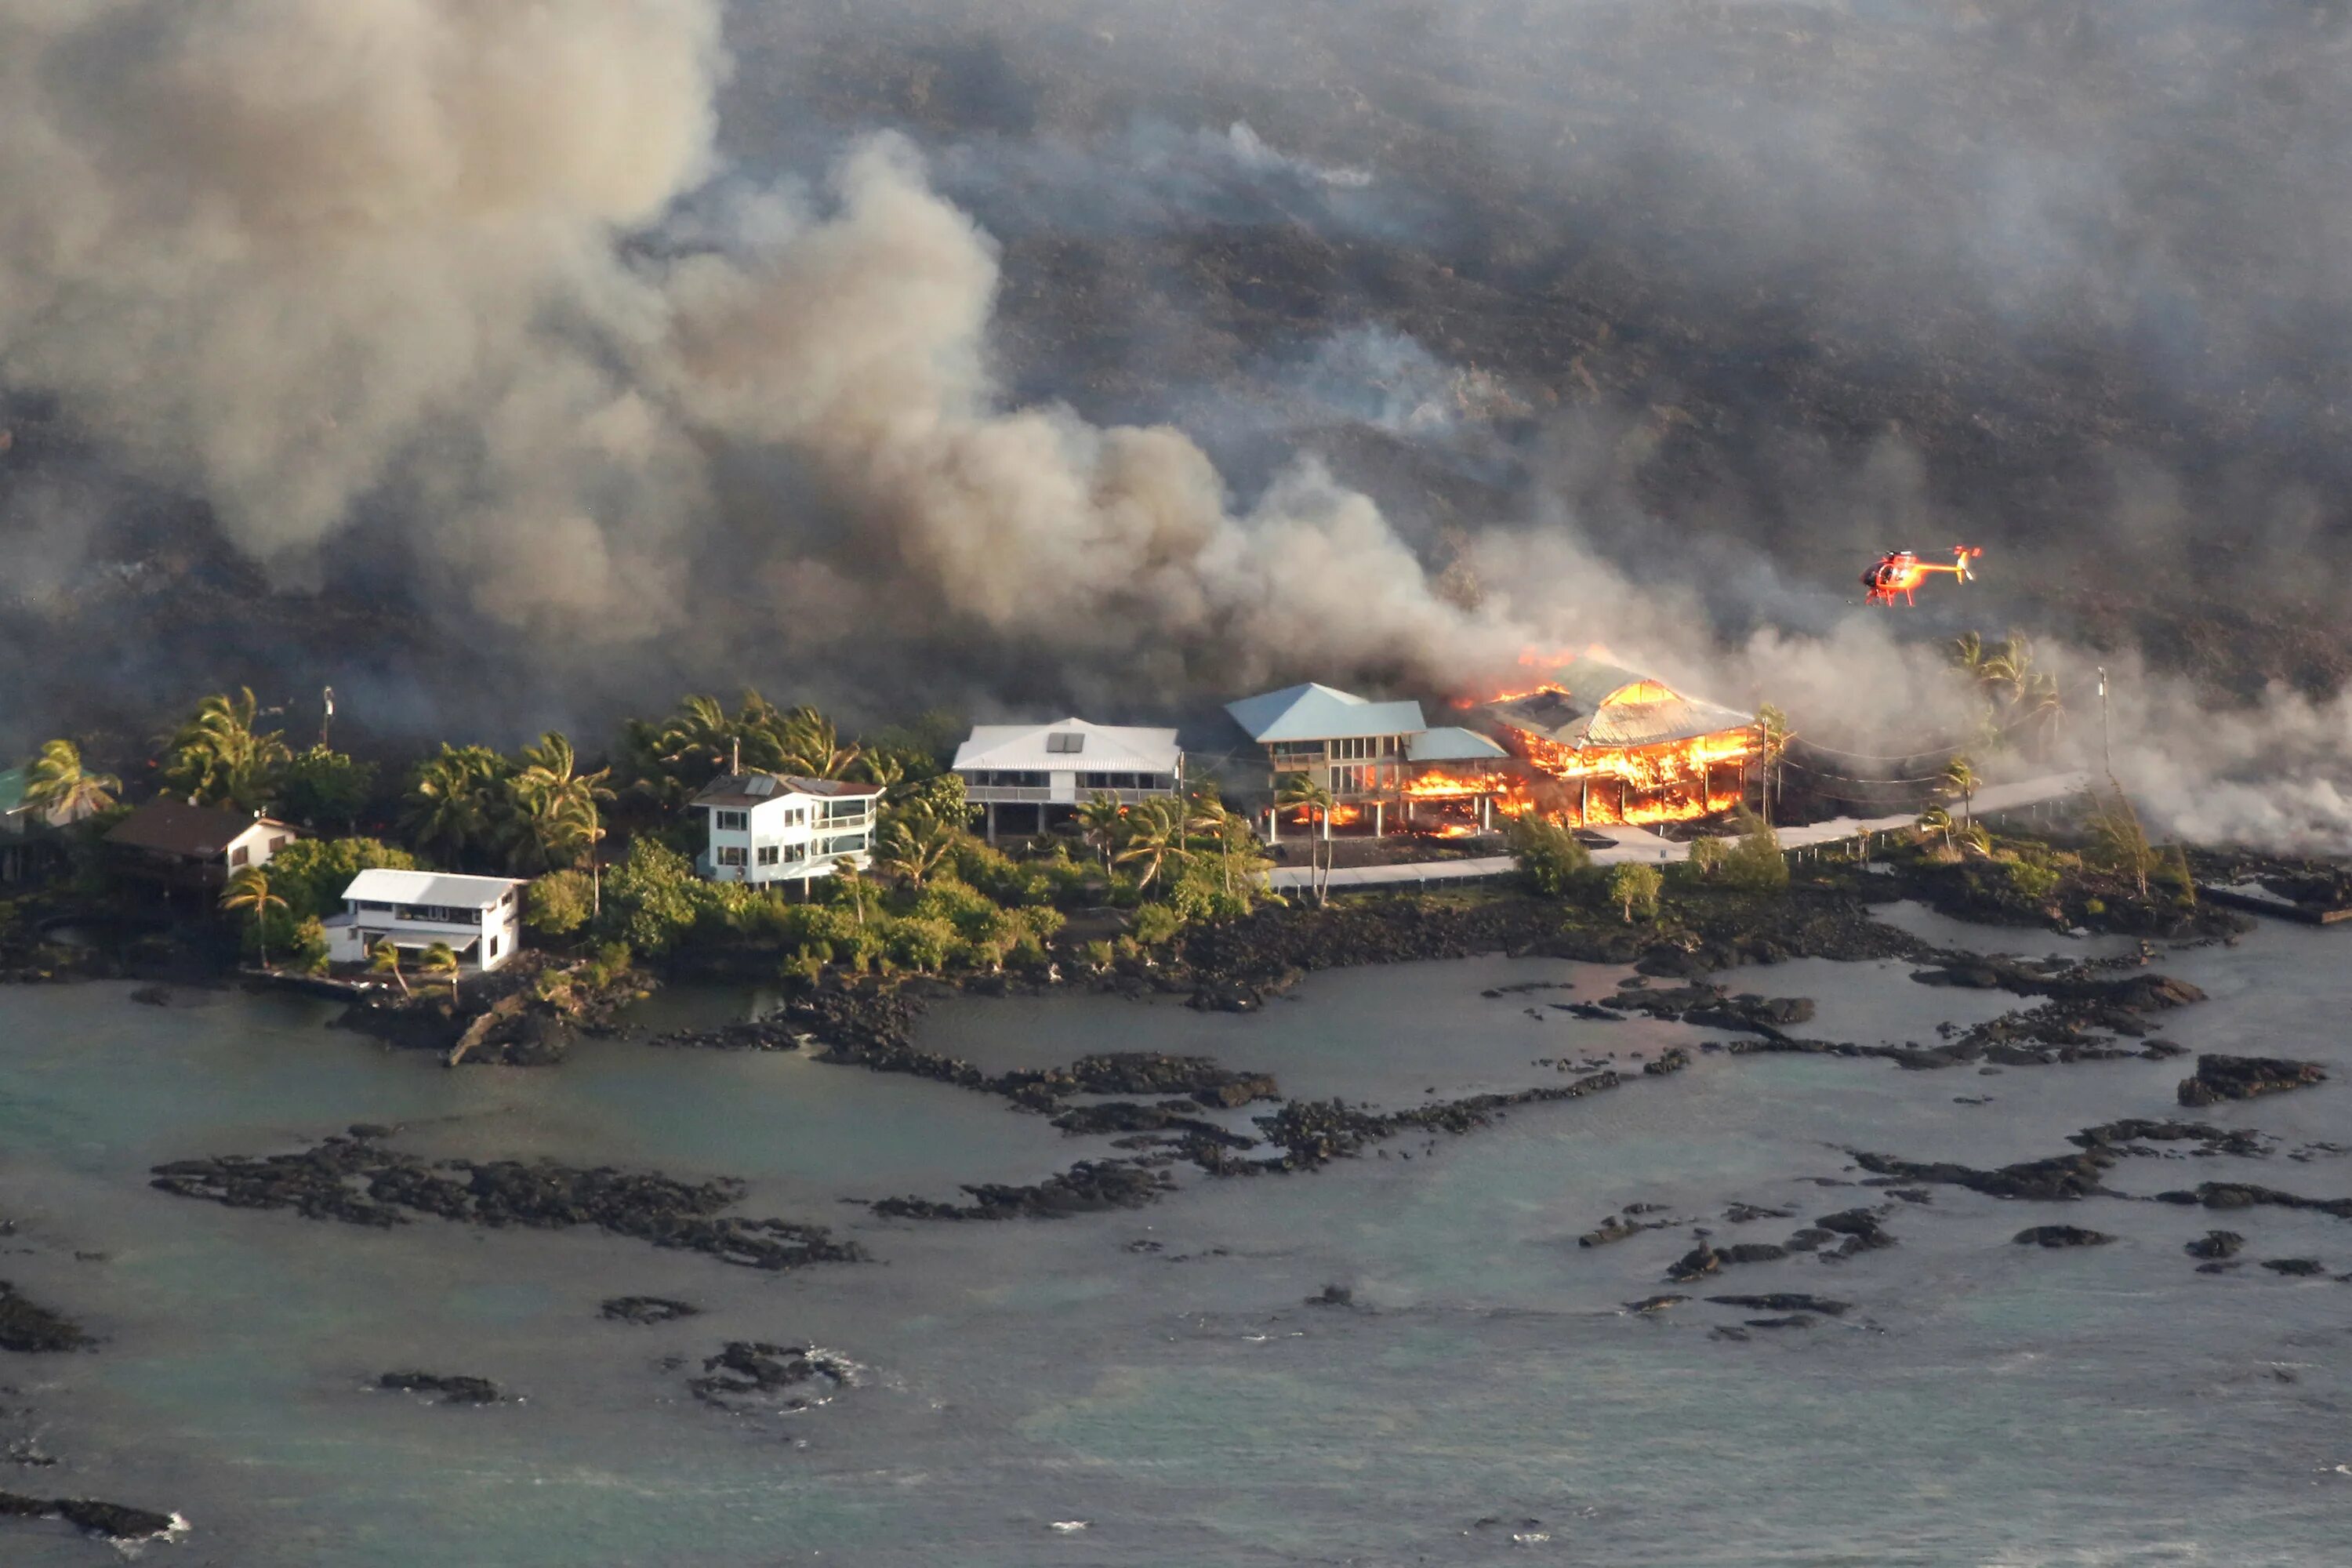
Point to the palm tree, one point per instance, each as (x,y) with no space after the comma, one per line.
(58,787)
(885,772)
(441,959)
(1300,792)
(700,739)
(812,748)
(387,962)
(1936,819)
(1969,654)
(219,758)
(454,799)
(1102,822)
(1154,838)
(1209,817)
(248,889)
(2009,671)
(852,883)
(914,843)
(556,813)
(1960,777)
(2040,708)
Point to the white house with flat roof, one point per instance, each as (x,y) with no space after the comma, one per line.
(479,917)
(776,827)
(1040,772)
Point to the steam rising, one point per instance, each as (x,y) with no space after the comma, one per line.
(350,269)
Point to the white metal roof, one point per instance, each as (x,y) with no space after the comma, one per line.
(443,889)
(1451,743)
(1101,748)
(1312,713)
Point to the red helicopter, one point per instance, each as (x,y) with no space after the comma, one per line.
(1902,571)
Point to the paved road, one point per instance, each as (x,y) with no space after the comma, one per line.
(1640,844)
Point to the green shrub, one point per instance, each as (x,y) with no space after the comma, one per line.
(558,903)
(2031,883)
(1548,854)
(920,943)
(1156,925)
(650,898)
(1099,954)
(1754,864)
(1635,886)
(1707,855)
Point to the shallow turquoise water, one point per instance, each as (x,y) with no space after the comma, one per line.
(1983,1403)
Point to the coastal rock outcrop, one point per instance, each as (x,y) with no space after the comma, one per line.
(642,1309)
(445,1389)
(2220,1078)
(2054,1236)
(751,1374)
(359,1181)
(1087,1187)
(29,1328)
(2060,1176)
(114,1521)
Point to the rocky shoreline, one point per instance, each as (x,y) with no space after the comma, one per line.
(355,1179)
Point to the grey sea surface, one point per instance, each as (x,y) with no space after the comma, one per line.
(1157,1374)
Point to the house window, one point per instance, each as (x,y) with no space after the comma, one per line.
(730,854)
(731,821)
(767,853)
(846,844)
(276,844)
(1070,741)
(236,856)
(795,853)
(494,947)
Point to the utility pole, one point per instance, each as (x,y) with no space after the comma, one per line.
(2106,749)
(326,716)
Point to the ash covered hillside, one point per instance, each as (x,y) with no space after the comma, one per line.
(1158,350)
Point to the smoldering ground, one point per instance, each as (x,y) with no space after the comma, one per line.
(624,347)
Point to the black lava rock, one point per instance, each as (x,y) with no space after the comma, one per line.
(2220,1078)
(2215,1244)
(647,1310)
(450,1390)
(29,1329)
(2061,1235)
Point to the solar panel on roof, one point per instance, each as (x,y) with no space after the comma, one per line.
(759,785)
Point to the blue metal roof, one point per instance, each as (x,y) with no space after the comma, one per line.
(1312,713)
(1447,744)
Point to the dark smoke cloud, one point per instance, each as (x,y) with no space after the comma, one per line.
(610,347)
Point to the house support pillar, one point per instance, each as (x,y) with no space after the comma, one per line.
(1378,822)
(1485,813)
(991,809)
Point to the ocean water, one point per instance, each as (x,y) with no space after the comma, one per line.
(1157,1374)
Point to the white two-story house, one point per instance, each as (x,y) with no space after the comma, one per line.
(774,827)
(1036,774)
(479,917)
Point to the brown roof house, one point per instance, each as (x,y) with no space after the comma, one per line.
(198,843)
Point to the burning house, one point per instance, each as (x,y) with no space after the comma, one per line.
(1605,744)
(1375,757)
(1594,744)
